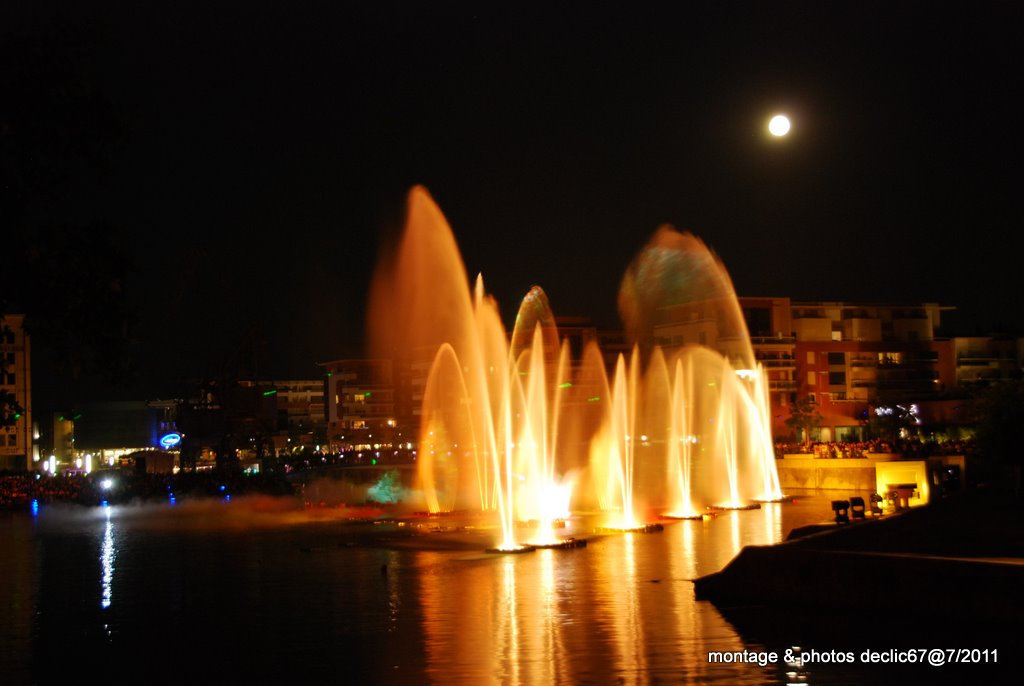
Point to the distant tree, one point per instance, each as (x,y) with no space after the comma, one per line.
(803,416)
(998,414)
(890,421)
(74,301)
(56,129)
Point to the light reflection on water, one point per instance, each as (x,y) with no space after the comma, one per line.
(622,609)
(301,600)
(628,632)
(107,555)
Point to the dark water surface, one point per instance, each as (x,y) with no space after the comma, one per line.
(208,594)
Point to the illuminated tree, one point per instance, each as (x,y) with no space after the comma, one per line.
(803,417)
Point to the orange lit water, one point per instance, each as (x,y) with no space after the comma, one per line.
(309,603)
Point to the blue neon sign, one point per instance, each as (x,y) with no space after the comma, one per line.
(170,440)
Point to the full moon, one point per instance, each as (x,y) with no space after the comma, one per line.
(779,125)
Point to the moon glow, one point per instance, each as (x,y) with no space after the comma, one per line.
(779,125)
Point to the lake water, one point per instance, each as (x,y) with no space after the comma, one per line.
(233,592)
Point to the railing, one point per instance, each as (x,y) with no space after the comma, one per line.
(917,385)
(782,385)
(765,340)
(776,364)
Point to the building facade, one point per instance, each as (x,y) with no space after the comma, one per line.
(301,416)
(365,408)
(18,450)
(849,359)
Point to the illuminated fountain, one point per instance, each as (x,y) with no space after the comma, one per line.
(490,407)
(701,412)
(510,425)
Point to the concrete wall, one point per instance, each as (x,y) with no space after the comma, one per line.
(815,473)
(872,474)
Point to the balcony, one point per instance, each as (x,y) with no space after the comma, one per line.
(973,359)
(975,362)
(768,340)
(786,363)
(782,385)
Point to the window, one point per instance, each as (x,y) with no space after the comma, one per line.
(849,433)
(812,379)
(835,359)
(837,378)
(759,320)
(810,358)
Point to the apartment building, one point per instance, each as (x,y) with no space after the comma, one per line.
(17,445)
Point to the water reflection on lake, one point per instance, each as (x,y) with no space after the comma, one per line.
(311,600)
(107,554)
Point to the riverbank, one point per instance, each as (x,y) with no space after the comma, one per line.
(19,491)
(962,557)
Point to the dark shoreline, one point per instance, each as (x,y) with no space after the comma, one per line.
(960,558)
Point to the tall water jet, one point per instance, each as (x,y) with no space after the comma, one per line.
(681,443)
(508,424)
(422,316)
(488,420)
(676,294)
(624,436)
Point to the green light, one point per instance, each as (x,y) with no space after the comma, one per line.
(367,394)
(373,461)
(565,385)
(17,415)
(271,392)
(76,416)
(595,399)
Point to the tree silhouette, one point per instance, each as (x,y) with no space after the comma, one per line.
(803,416)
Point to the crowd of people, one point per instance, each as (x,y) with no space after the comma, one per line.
(18,491)
(910,447)
(351,458)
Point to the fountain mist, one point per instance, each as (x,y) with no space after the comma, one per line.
(509,424)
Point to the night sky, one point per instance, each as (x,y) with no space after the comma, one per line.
(263,154)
